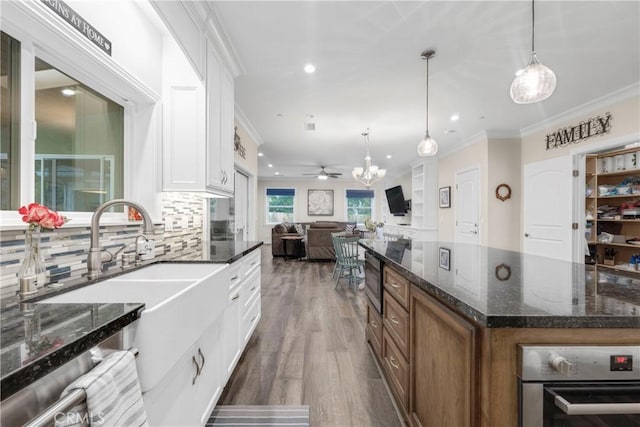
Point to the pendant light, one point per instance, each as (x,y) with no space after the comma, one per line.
(535,82)
(428,146)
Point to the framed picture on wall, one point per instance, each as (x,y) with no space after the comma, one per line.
(320,203)
(445,197)
(444,259)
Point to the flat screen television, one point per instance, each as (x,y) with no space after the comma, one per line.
(395,198)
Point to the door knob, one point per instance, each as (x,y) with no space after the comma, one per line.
(526,234)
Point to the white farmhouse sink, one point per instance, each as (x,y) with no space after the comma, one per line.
(181,301)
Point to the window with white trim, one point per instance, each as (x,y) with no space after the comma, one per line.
(280,205)
(360,205)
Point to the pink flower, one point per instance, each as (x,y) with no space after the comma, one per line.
(36,214)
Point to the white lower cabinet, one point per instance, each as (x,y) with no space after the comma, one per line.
(189,391)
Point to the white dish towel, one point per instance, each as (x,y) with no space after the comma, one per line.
(114,398)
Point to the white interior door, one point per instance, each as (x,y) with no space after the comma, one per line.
(548,208)
(467,206)
(241,195)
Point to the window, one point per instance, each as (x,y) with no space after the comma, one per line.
(10,121)
(79,146)
(359,205)
(280,205)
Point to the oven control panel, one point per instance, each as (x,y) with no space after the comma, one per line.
(571,363)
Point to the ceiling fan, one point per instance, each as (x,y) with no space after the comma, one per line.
(324,174)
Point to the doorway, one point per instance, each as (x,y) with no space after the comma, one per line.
(241,193)
(467,206)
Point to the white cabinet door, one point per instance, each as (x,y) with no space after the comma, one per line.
(220,126)
(212,378)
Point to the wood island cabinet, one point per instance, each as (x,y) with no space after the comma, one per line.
(443,365)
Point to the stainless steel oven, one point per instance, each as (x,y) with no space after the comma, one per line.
(579,386)
(373,280)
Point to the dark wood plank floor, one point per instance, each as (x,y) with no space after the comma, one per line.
(310,349)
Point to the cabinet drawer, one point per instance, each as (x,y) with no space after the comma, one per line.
(235,274)
(396,323)
(374,329)
(252,261)
(250,319)
(397,286)
(397,370)
(250,289)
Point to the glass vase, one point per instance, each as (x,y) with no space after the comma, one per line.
(32,274)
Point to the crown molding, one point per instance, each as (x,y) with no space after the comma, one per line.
(243,121)
(581,110)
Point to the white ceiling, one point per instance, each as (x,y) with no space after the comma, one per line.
(370,74)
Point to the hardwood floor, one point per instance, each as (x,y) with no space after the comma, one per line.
(310,349)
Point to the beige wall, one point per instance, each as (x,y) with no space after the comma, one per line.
(503,217)
(471,156)
(250,163)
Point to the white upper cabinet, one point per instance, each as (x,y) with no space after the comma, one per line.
(198,105)
(220,107)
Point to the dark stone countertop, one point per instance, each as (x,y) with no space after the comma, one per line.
(504,289)
(35,339)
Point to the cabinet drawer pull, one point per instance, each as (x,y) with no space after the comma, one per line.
(253,263)
(253,289)
(374,324)
(235,297)
(253,318)
(195,362)
(394,320)
(392,361)
(235,277)
(394,284)
(202,356)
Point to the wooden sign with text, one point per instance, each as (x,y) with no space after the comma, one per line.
(584,130)
(65,12)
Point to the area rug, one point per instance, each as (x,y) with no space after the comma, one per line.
(260,415)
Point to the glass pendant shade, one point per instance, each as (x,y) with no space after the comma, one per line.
(427,146)
(533,83)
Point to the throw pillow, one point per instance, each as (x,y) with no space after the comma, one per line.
(349,228)
(299,229)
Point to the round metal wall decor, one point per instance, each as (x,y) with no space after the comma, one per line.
(503,192)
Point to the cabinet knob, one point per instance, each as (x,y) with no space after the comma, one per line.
(526,234)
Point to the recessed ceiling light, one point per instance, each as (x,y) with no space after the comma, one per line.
(389,156)
(309,68)
(455,117)
(277,173)
(279,115)
(269,165)
(260,154)
(448,131)
(68,92)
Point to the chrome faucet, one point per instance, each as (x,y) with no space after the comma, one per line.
(96,255)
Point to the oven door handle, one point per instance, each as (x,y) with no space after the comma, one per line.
(595,408)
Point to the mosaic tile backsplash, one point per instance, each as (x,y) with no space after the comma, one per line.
(65,249)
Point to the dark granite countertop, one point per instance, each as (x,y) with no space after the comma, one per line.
(35,339)
(504,289)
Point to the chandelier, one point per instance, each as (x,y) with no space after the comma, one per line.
(370,173)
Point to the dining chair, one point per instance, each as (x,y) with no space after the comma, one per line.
(335,249)
(348,261)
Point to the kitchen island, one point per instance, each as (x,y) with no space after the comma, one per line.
(453,317)
(37,338)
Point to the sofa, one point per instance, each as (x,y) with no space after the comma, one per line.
(317,238)
(319,245)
